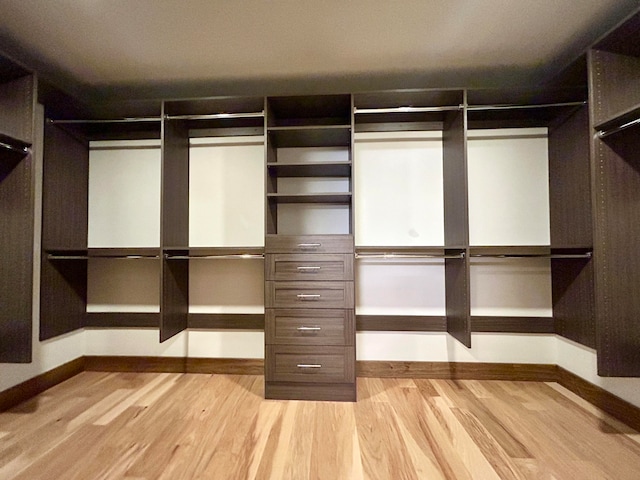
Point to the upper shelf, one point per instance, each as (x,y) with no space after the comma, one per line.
(308,169)
(311,136)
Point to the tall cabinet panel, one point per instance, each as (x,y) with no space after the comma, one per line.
(309,288)
(614,82)
(17,109)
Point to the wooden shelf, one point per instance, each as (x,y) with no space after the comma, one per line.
(324,169)
(311,136)
(124,252)
(342,198)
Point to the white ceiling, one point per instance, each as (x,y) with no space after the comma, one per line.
(166,47)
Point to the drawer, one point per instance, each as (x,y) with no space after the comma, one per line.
(309,244)
(310,364)
(309,267)
(309,294)
(309,327)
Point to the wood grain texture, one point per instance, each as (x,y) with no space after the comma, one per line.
(309,244)
(309,267)
(400,323)
(17,107)
(309,327)
(184,426)
(228,321)
(513,324)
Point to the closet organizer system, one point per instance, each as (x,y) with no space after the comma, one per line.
(317,216)
(17,110)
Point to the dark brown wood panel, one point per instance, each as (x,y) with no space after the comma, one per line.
(227,321)
(63,296)
(573,300)
(454,144)
(307,267)
(17,108)
(400,323)
(309,294)
(513,324)
(338,392)
(16,261)
(124,319)
(309,364)
(65,190)
(457,299)
(570,182)
(135,364)
(616,262)
(175,184)
(174,308)
(309,244)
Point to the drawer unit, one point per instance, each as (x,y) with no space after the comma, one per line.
(309,267)
(309,327)
(309,244)
(309,294)
(310,364)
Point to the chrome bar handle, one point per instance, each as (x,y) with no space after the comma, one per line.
(309,269)
(308,296)
(309,365)
(309,245)
(309,329)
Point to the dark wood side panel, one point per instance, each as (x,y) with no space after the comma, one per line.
(573,300)
(616,259)
(174,305)
(513,324)
(570,182)
(63,296)
(16,261)
(457,299)
(400,323)
(65,190)
(17,107)
(175,184)
(456,223)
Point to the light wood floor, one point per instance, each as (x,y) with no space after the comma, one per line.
(187,426)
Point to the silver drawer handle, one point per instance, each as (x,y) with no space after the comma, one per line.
(308,296)
(309,365)
(309,269)
(309,245)
(309,329)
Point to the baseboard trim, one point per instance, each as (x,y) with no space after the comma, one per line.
(36,385)
(458,370)
(604,400)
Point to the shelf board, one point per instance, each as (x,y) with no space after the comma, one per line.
(523,250)
(151,252)
(400,323)
(122,320)
(324,169)
(512,324)
(343,198)
(228,321)
(311,136)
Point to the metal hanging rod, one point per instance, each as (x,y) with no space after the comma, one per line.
(391,256)
(245,256)
(624,126)
(113,120)
(533,255)
(215,116)
(13,148)
(407,109)
(521,107)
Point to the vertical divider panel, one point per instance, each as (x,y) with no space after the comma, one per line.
(456,225)
(65,191)
(174,304)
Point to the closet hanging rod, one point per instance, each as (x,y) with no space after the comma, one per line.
(216,116)
(13,148)
(87,257)
(533,255)
(391,256)
(112,120)
(521,107)
(624,126)
(407,109)
(245,256)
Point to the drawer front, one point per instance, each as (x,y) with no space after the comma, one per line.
(309,295)
(310,364)
(309,244)
(309,267)
(309,327)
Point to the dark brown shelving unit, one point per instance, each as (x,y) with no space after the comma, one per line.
(614,70)
(17,201)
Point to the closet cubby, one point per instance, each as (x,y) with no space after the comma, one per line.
(18,93)
(614,69)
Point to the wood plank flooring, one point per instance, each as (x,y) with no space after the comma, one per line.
(194,426)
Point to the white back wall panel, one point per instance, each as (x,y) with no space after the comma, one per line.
(124,193)
(508,173)
(399,189)
(226,192)
(400,287)
(142,342)
(519,287)
(313,154)
(226,286)
(226,344)
(313,218)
